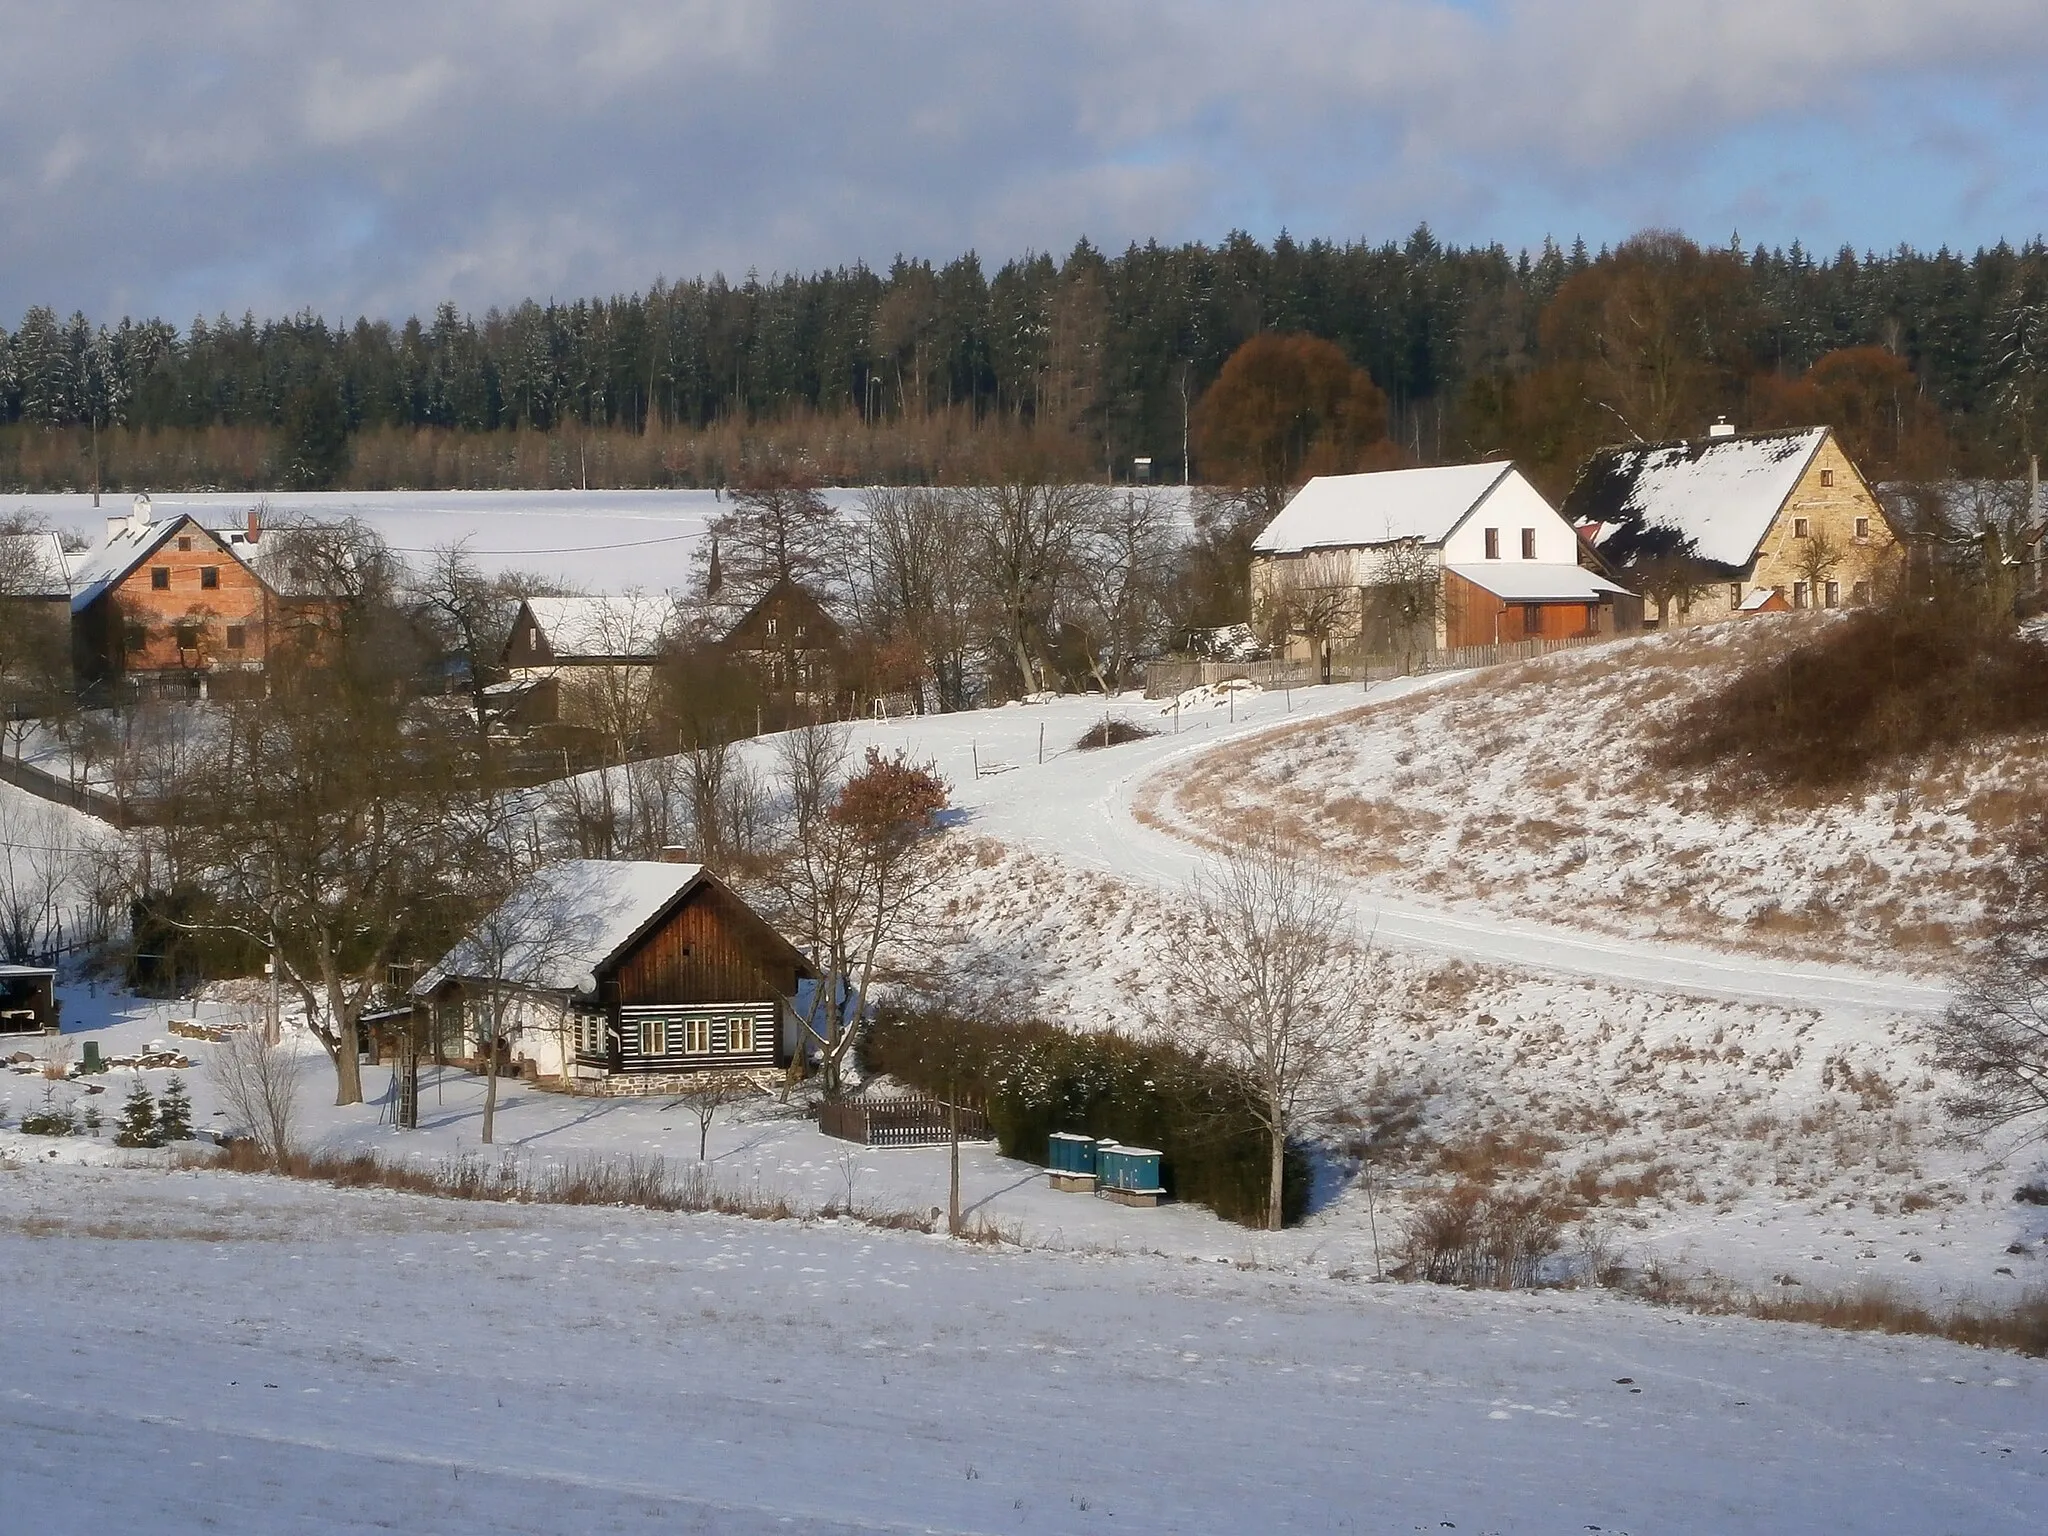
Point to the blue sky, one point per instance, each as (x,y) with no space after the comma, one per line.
(199,155)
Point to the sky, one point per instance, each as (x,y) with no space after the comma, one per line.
(199,156)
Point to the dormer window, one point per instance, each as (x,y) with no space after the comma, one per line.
(1493,543)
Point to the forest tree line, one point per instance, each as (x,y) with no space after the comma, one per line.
(1929,364)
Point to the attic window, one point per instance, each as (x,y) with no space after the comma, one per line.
(1862,530)
(771,629)
(1528,543)
(1493,543)
(209,576)
(1798,527)
(184,544)
(1734,594)
(1827,478)
(160,578)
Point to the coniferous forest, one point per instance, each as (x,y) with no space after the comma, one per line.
(1928,364)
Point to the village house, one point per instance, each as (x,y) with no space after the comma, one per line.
(169,599)
(789,640)
(1728,522)
(620,977)
(583,661)
(1464,554)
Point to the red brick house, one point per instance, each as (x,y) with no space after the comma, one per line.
(169,598)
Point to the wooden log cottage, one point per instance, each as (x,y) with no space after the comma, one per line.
(621,977)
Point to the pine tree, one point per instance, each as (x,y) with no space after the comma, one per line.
(174,1112)
(137,1126)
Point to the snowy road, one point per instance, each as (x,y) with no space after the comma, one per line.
(1078,806)
(198,1352)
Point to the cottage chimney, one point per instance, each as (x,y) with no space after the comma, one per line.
(675,853)
(255,523)
(1722,427)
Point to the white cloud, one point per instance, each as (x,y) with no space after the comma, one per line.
(499,147)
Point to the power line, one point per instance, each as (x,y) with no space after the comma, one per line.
(566,549)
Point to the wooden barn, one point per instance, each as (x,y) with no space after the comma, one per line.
(621,977)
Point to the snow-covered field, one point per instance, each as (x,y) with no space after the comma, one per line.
(195,1352)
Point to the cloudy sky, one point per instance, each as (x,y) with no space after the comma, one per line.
(376,156)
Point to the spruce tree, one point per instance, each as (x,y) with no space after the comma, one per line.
(174,1112)
(137,1125)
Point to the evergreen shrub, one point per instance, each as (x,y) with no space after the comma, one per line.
(1033,1079)
(52,1118)
(137,1125)
(173,1112)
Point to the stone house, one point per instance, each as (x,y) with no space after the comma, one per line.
(1723,518)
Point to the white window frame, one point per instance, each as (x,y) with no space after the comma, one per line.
(697,1035)
(738,1028)
(654,1030)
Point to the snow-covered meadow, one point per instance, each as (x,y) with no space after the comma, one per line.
(193,1351)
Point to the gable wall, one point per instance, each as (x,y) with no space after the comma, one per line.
(699,954)
(1514,505)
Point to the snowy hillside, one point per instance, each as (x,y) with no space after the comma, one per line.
(1528,791)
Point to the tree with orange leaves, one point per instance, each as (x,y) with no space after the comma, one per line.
(1287,407)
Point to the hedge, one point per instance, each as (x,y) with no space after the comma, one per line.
(1034,1079)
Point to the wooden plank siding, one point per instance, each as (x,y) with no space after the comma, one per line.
(1474,616)
(705,951)
(680,1052)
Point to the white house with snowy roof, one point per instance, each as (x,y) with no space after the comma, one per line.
(1732,519)
(1461,554)
(618,977)
(584,661)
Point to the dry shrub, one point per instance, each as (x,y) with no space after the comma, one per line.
(1492,1153)
(1470,1235)
(1877,686)
(1112,733)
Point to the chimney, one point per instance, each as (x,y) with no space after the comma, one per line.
(255,523)
(675,853)
(140,516)
(1722,427)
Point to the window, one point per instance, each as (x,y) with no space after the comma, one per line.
(238,637)
(188,636)
(1860,593)
(1734,594)
(1862,530)
(184,545)
(1532,618)
(697,1036)
(1834,594)
(135,637)
(739,1036)
(1827,478)
(771,629)
(209,577)
(160,578)
(1528,543)
(1798,527)
(1798,594)
(1493,543)
(654,1037)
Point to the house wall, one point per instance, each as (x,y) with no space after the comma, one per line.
(1510,507)
(240,602)
(1830,510)
(1475,616)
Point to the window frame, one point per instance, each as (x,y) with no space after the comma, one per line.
(209,578)
(1863,530)
(1802,528)
(159,578)
(1493,543)
(739,1025)
(1831,595)
(237,638)
(1799,594)
(654,1029)
(1528,543)
(697,1035)
(1827,479)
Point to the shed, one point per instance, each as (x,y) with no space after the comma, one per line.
(28,1000)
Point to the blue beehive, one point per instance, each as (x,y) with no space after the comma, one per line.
(1069,1153)
(1129,1175)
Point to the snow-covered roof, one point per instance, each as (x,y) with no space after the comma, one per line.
(582,627)
(1529,581)
(34,565)
(1385,507)
(1719,493)
(1761,599)
(127,545)
(563,922)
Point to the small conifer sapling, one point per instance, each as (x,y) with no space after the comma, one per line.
(173,1112)
(137,1125)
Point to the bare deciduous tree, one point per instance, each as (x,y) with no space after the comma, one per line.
(1995,1033)
(1269,976)
(704,1095)
(258,1081)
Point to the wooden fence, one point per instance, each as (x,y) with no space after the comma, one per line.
(48,786)
(1169,679)
(904,1122)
